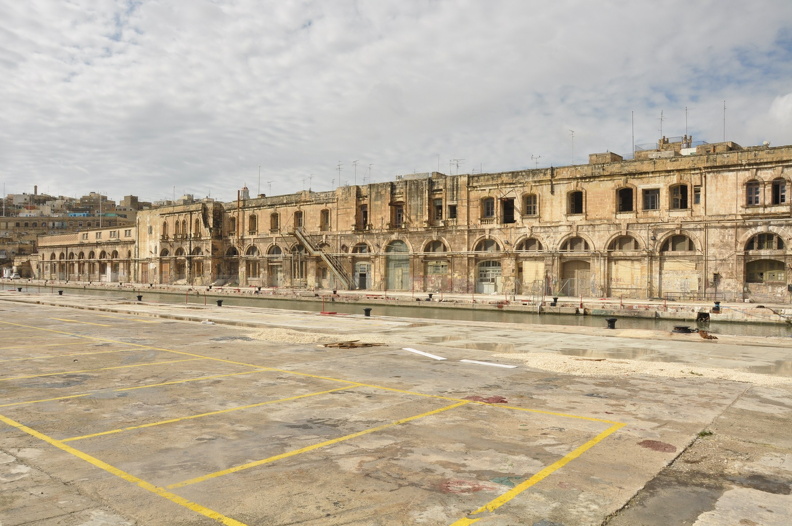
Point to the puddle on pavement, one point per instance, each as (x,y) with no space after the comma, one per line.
(622,354)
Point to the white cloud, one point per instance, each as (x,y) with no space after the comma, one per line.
(145,96)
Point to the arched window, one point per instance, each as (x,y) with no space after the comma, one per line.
(232,252)
(624,244)
(102,255)
(252,224)
(575,202)
(575,244)
(185,232)
(164,252)
(435,246)
(176,228)
(179,252)
(360,248)
(753,190)
(92,255)
(232,225)
(197,251)
(114,254)
(252,251)
(530,205)
(275,251)
(488,207)
(197,228)
(529,245)
(765,241)
(765,271)
(678,243)
(779,196)
(487,245)
(624,200)
(164,230)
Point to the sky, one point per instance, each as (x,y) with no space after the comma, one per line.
(162,98)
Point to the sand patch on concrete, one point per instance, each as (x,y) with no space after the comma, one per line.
(611,367)
(293,336)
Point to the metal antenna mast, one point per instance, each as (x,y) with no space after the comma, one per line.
(536,158)
(456,162)
(355,163)
(339,172)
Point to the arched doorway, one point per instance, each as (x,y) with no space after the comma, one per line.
(397,261)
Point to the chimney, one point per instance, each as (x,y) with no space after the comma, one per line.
(35,189)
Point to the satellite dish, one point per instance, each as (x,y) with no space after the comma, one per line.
(766,143)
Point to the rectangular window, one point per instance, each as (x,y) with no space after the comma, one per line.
(362,217)
(752,191)
(98,235)
(437,267)
(114,233)
(679,197)
(398,216)
(85,235)
(651,199)
(779,191)
(452,211)
(488,207)
(697,194)
(128,233)
(507,209)
(575,202)
(531,205)
(438,209)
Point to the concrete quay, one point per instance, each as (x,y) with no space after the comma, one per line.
(116,412)
(688,310)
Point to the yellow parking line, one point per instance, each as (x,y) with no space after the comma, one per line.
(82,322)
(45,400)
(174,382)
(519,488)
(157,490)
(131,388)
(40,345)
(201,415)
(100,369)
(48,356)
(310,448)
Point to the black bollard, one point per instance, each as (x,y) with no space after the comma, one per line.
(716,308)
(140,297)
(60,293)
(367,312)
(611,322)
(219,303)
(19,289)
(555,301)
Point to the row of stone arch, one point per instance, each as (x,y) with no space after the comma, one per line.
(91,255)
(576,243)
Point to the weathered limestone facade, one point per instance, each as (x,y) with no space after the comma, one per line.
(676,222)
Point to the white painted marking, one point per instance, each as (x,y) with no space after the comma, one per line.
(416,351)
(490,363)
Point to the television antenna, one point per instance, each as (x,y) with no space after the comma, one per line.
(536,158)
(456,163)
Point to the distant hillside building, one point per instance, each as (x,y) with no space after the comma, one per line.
(678,221)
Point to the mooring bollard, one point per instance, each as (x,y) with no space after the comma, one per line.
(19,289)
(140,297)
(367,312)
(219,303)
(555,301)
(716,308)
(611,322)
(60,293)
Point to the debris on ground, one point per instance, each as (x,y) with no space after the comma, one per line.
(352,344)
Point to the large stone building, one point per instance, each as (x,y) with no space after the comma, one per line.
(711,221)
